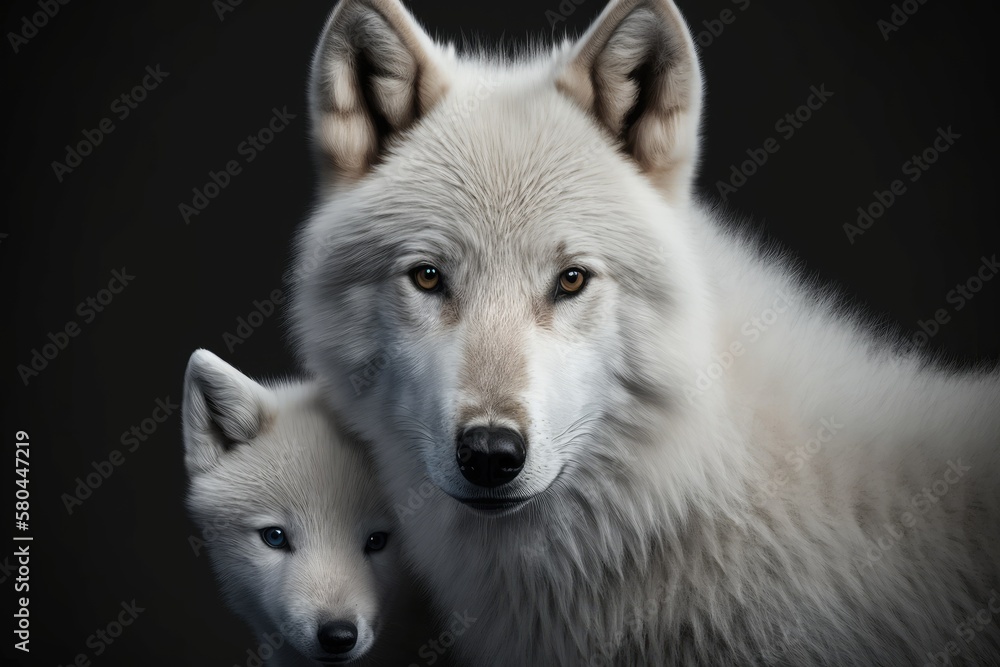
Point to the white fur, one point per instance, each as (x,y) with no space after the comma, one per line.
(673,520)
(271,456)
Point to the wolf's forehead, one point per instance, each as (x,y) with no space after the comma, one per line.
(505,157)
(517,170)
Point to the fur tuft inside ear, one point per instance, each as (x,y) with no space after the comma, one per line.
(374,74)
(637,73)
(221,408)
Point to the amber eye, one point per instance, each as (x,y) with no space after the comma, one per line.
(426,278)
(572,281)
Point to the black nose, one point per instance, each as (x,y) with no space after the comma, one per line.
(338,636)
(490,456)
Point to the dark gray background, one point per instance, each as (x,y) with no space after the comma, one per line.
(119,208)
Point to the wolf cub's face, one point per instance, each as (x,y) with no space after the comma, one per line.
(296,529)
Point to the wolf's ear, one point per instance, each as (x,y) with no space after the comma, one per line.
(636,72)
(222,407)
(374,73)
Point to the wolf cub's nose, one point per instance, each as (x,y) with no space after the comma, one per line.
(490,456)
(338,636)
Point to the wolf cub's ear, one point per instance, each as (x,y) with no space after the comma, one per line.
(221,407)
(637,72)
(374,73)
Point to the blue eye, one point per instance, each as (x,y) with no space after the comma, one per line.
(274,537)
(376,542)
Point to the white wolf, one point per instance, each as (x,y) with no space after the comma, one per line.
(615,431)
(297,529)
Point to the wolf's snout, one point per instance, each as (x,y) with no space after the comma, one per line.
(338,637)
(490,456)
